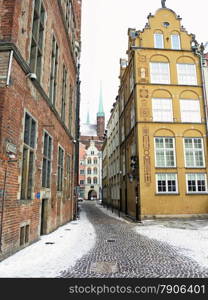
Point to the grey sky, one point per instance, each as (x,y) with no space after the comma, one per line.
(104,41)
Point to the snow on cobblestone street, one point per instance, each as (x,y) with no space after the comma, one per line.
(69,243)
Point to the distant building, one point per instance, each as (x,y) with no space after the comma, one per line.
(90,163)
(111,160)
(39,72)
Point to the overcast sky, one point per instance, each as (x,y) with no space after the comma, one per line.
(104,37)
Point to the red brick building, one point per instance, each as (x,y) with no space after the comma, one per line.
(39,91)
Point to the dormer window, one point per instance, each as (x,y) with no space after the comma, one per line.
(158,40)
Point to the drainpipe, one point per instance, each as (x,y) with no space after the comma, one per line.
(200,54)
(9,68)
(2,207)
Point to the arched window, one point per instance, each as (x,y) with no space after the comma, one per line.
(88,171)
(95,161)
(89,180)
(95,171)
(89,161)
(95,180)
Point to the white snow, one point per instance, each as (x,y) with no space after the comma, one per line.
(191,239)
(41,260)
(189,236)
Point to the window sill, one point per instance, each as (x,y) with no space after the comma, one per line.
(166,167)
(25,201)
(195,167)
(197,193)
(165,194)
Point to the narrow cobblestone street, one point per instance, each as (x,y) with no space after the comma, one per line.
(120,252)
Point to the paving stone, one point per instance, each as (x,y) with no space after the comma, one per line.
(130,255)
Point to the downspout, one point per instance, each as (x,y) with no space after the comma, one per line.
(138,196)
(9,67)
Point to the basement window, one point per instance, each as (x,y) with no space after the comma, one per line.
(24,235)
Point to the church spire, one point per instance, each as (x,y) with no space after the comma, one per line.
(100,109)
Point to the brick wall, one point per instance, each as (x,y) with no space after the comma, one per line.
(23,95)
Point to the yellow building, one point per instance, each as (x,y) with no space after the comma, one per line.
(163,146)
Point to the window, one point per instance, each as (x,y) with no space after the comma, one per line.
(187,74)
(160,72)
(165,152)
(71,100)
(68,13)
(95,161)
(196,183)
(95,171)
(89,180)
(122,131)
(122,101)
(162,110)
(63,100)
(131,81)
(132,115)
(36,50)
(95,180)
(92,152)
(158,40)
(194,153)
(28,157)
(68,176)
(60,169)
(166,183)
(89,161)
(24,235)
(89,171)
(54,68)
(123,164)
(81,182)
(190,111)
(46,170)
(82,172)
(175,42)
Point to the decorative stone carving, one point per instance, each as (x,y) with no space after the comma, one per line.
(147,163)
(163,3)
(144,93)
(141,58)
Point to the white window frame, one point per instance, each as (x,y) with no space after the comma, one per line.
(155,119)
(189,80)
(158,34)
(165,150)
(172,42)
(196,192)
(157,76)
(194,155)
(166,180)
(187,115)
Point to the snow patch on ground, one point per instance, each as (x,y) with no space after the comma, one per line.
(192,243)
(41,260)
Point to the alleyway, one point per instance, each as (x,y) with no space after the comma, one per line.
(121,252)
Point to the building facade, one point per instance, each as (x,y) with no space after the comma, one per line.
(111,157)
(90,164)
(39,63)
(163,134)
